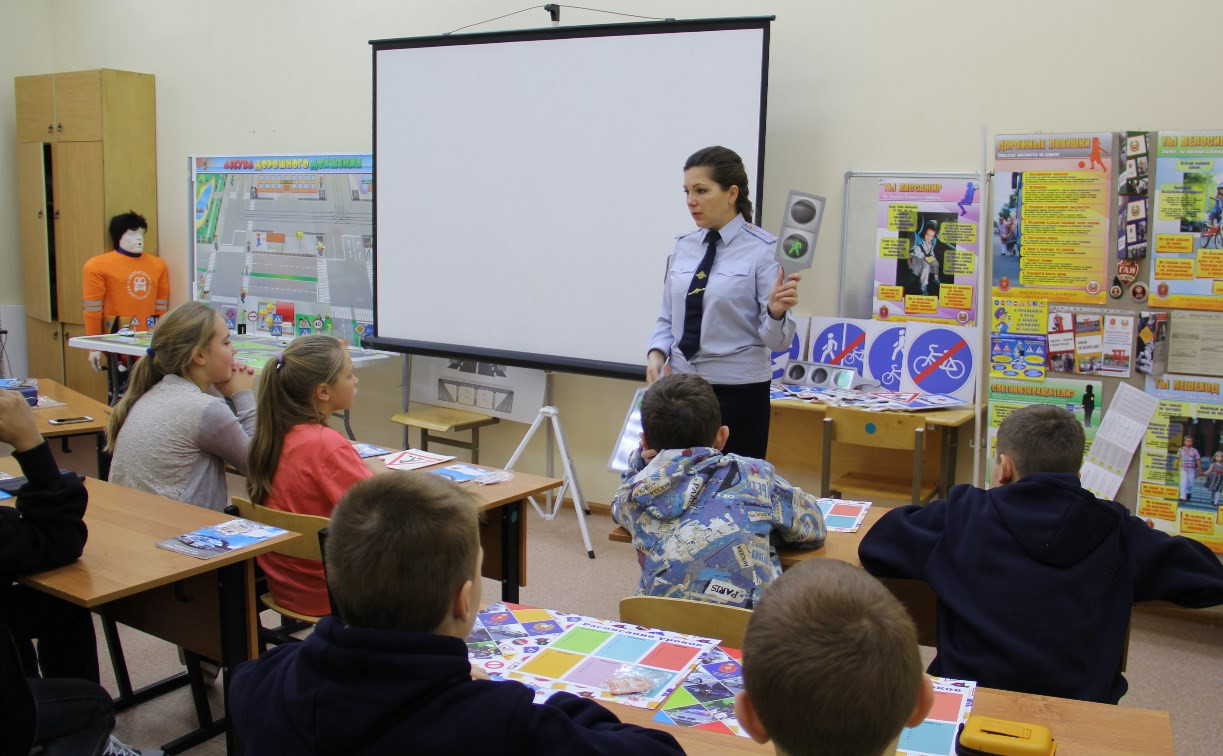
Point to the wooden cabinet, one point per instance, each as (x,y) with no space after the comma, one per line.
(87,151)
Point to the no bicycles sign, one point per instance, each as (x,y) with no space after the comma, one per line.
(941,361)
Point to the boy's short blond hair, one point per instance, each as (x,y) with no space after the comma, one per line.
(830,661)
(1042,438)
(401,546)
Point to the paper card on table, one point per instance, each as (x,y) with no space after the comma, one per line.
(372,450)
(841,515)
(936,736)
(413,459)
(459,473)
(216,540)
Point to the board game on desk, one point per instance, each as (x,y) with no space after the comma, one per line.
(251,350)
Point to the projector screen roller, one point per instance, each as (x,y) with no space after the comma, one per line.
(529,185)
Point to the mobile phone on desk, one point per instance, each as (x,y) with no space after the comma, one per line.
(70,420)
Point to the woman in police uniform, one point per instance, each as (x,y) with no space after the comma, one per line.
(726,302)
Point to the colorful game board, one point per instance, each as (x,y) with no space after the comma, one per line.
(843,516)
(706,699)
(505,632)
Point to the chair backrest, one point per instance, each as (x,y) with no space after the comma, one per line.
(308,525)
(884,430)
(18,714)
(729,623)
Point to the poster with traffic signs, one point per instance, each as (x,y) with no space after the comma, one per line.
(940,360)
(927,248)
(795,352)
(1050,215)
(1187,267)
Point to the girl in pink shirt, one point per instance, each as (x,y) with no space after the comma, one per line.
(296,462)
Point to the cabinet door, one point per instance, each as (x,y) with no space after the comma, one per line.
(79,375)
(44,352)
(80,226)
(32,209)
(78,106)
(35,101)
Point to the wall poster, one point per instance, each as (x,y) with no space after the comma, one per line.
(1187,267)
(1051,210)
(928,253)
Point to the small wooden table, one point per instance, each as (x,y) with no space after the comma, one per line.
(76,404)
(435,419)
(204,605)
(796,434)
(1080,728)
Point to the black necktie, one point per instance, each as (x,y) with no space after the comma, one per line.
(690,342)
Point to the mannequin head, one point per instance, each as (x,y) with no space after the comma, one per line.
(127,231)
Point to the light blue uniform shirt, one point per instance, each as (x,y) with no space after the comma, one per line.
(738,336)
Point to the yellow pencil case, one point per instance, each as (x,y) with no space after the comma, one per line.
(987,736)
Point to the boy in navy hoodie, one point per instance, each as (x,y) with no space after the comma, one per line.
(1036,577)
(393,676)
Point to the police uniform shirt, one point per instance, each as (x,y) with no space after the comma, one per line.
(738,335)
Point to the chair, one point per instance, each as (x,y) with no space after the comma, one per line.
(302,548)
(877,430)
(432,420)
(728,623)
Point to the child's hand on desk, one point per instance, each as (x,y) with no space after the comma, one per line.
(479,674)
(377,464)
(17,425)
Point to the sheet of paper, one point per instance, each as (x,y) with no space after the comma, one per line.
(414,459)
(1118,437)
(1196,343)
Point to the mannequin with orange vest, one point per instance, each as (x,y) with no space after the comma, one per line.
(124,285)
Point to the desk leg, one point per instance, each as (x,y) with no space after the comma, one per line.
(511,522)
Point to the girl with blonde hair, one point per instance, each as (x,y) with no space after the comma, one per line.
(188,411)
(296,462)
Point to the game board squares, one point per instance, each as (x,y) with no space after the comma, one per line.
(670,656)
(542,627)
(507,632)
(583,640)
(706,689)
(690,716)
(490,619)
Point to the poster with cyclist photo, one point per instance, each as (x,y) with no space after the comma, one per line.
(1187,267)
(940,359)
(927,250)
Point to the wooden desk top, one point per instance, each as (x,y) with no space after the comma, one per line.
(1080,728)
(76,404)
(843,546)
(948,418)
(121,558)
(442,419)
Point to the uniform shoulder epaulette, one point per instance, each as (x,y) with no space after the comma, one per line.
(759,233)
(690,233)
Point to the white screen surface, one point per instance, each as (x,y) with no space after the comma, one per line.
(529,191)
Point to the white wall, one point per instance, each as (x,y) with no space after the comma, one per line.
(868,85)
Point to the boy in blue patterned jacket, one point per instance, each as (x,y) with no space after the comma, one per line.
(704,522)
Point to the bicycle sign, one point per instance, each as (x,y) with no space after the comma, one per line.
(885,357)
(940,361)
(839,343)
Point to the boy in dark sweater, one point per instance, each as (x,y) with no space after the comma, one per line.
(1036,577)
(393,676)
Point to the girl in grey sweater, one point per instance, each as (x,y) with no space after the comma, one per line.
(188,411)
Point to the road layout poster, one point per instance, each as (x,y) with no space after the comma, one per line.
(283,244)
(928,251)
(1183,446)
(1187,267)
(1051,210)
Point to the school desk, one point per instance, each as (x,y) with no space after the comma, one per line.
(75,405)
(796,437)
(1080,728)
(204,605)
